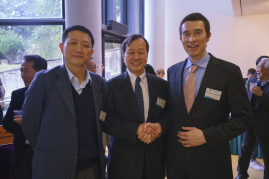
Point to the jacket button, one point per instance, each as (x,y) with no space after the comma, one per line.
(76,140)
(188,121)
(75,157)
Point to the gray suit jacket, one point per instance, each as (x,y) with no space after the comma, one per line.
(49,123)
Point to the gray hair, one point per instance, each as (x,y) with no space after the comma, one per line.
(266,65)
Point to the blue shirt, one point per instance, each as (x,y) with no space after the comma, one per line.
(199,73)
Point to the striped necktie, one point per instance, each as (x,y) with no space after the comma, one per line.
(189,87)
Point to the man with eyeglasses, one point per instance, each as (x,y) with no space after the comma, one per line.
(258,94)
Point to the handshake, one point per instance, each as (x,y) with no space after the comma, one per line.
(148,132)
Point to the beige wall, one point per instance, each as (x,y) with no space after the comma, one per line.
(238,39)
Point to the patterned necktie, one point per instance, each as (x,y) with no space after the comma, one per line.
(139,98)
(189,88)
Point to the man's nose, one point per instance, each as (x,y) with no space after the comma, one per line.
(136,56)
(79,48)
(192,38)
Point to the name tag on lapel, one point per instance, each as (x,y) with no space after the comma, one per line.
(160,102)
(213,94)
(102,116)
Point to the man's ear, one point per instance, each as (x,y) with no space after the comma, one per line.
(61,45)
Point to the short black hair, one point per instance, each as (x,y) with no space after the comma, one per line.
(80,28)
(260,58)
(251,71)
(195,17)
(39,62)
(149,69)
(130,39)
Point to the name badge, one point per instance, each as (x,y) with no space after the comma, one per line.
(160,102)
(213,94)
(102,116)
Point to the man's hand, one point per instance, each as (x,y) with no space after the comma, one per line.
(155,129)
(142,135)
(17,119)
(193,137)
(256,90)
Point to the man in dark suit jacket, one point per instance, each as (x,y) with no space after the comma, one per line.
(22,151)
(130,118)
(259,98)
(198,144)
(62,106)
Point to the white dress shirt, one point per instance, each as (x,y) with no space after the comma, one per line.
(145,90)
(74,81)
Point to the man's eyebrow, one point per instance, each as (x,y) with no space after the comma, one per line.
(199,30)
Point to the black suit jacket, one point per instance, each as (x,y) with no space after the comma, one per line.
(213,159)
(261,112)
(126,151)
(17,99)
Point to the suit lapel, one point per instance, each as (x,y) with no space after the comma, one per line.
(210,73)
(179,84)
(128,91)
(97,95)
(153,95)
(64,86)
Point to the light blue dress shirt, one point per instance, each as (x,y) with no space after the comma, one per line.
(199,73)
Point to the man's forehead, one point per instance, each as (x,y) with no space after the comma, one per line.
(76,35)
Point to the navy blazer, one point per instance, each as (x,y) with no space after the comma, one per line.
(126,152)
(213,159)
(49,123)
(261,112)
(17,99)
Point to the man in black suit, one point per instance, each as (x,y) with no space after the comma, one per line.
(137,111)
(259,98)
(204,90)
(22,151)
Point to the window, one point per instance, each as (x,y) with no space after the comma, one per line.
(28,27)
(113,60)
(17,9)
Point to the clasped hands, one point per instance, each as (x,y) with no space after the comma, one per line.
(192,137)
(148,132)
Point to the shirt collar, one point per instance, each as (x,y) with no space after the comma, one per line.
(201,63)
(133,76)
(71,77)
(263,83)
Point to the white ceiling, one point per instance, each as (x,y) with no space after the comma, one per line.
(250,7)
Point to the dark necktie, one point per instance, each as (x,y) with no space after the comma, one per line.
(139,98)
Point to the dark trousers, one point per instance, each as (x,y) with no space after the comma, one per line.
(23,170)
(145,171)
(90,173)
(255,152)
(247,147)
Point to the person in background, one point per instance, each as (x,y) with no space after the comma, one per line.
(2,89)
(3,95)
(22,151)
(160,72)
(91,65)
(258,94)
(250,74)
